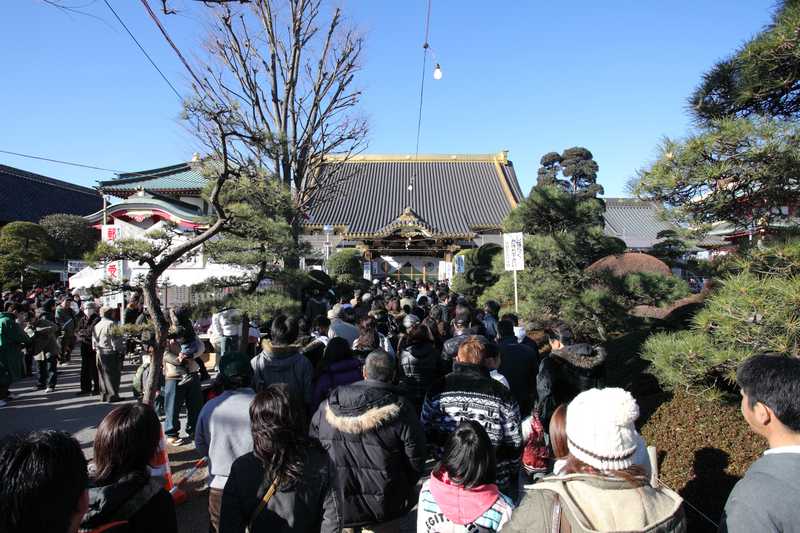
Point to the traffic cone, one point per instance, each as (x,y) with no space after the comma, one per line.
(159,466)
(179,495)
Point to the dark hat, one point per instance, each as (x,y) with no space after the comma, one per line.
(234,365)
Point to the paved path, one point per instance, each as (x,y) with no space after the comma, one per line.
(79,415)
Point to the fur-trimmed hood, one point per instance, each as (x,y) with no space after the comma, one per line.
(581,355)
(279,351)
(362,406)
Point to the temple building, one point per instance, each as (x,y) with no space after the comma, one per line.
(29,197)
(408,215)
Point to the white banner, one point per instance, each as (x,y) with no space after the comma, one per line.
(459,264)
(514,251)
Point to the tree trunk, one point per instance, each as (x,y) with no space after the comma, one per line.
(160,327)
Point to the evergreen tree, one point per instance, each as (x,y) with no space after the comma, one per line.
(22,246)
(760,78)
(70,235)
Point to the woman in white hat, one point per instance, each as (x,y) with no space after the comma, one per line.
(601,488)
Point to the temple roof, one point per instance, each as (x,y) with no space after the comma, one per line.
(28,196)
(449,196)
(636,222)
(172,180)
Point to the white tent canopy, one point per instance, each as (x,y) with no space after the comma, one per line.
(87,277)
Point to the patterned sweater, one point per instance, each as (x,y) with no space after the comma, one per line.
(470,393)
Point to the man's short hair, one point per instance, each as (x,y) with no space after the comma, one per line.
(379,366)
(773,380)
(43,477)
(472,351)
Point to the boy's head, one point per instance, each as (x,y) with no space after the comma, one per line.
(771,394)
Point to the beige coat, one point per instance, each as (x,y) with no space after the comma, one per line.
(596,503)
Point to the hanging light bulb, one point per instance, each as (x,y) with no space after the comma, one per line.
(437,72)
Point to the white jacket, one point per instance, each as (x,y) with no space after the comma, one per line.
(227,323)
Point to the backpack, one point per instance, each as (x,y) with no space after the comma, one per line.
(536,454)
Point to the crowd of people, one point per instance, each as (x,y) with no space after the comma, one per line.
(375,403)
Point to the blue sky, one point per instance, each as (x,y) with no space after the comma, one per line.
(527,76)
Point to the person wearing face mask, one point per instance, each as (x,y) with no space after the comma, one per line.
(90,382)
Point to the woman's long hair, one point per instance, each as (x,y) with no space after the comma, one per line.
(368,338)
(558,432)
(635,475)
(280,433)
(126,441)
(337,350)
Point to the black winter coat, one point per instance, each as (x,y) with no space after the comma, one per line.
(520,364)
(567,372)
(136,498)
(450,351)
(419,364)
(310,506)
(376,441)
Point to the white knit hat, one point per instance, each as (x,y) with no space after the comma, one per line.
(600,428)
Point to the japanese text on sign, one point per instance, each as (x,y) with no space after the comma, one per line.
(514,251)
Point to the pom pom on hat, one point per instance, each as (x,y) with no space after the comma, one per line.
(600,428)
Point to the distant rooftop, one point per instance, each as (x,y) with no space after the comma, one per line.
(449,195)
(637,222)
(29,197)
(171,180)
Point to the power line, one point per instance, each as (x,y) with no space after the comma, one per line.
(144,51)
(171,42)
(425,48)
(59,161)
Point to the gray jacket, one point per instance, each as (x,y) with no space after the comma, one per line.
(283,364)
(223,433)
(765,499)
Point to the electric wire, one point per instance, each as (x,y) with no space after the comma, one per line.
(171,42)
(41,158)
(150,59)
(425,47)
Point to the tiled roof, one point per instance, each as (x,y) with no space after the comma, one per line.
(634,221)
(451,195)
(181,177)
(29,197)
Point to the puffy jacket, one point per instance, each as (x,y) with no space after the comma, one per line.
(283,364)
(450,351)
(519,364)
(339,373)
(469,393)
(566,373)
(375,439)
(310,506)
(137,498)
(594,503)
(418,366)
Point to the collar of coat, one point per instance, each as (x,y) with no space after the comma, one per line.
(370,419)
(280,350)
(581,355)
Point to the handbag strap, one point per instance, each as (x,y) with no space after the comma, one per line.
(558,524)
(263,503)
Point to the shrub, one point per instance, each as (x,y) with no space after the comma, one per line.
(344,268)
(749,314)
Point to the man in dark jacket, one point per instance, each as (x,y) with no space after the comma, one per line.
(280,361)
(374,438)
(90,380)
(470,393)
(570,369)
(519,364)
(461,333)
